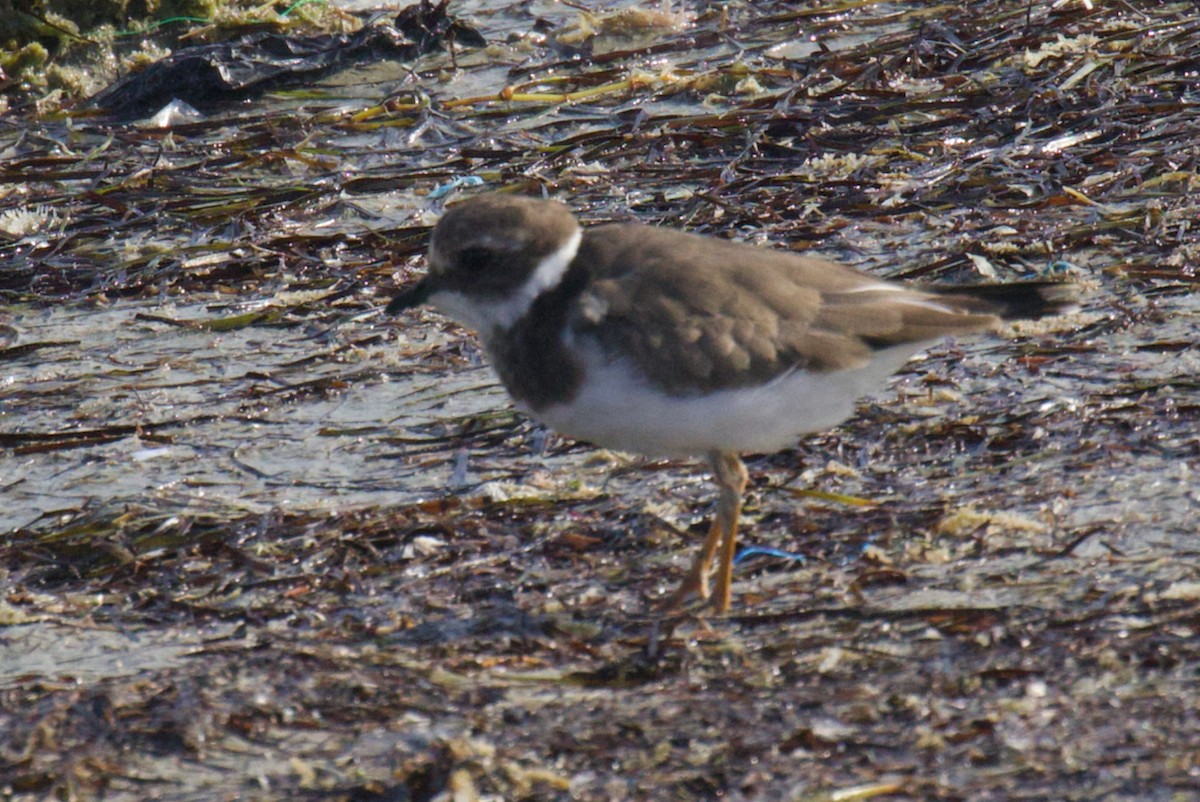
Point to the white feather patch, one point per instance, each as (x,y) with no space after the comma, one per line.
(618,408)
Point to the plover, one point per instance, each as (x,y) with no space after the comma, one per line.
(664,343)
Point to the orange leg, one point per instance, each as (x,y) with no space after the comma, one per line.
(696,581)
(731,478)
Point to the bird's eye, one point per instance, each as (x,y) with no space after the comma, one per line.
(476,259)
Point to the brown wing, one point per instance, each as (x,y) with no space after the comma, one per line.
(703,313)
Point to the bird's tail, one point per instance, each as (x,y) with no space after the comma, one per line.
(1026,300)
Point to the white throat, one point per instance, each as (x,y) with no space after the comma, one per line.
(486,315)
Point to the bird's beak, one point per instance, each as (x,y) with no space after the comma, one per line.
(413,296)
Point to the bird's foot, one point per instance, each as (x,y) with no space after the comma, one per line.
(696,584)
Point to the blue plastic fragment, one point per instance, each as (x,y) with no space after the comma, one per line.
(1054,269)
(767,551)
(443,190)
(856,554)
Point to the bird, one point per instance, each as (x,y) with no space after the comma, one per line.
(665,343)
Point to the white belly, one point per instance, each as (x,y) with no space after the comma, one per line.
(617,409)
